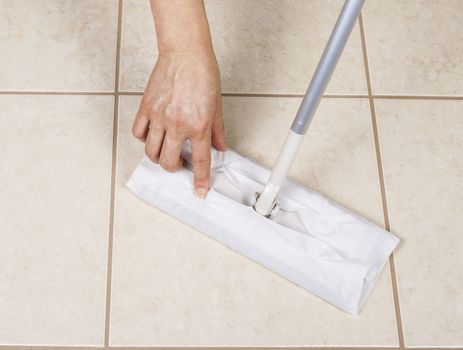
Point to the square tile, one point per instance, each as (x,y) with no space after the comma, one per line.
(55,158)
(58,45)
(421,145)
(173,286)
(261,46)
(415,47)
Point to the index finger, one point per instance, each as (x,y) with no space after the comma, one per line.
(201,154)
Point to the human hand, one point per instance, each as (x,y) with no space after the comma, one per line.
(182,101)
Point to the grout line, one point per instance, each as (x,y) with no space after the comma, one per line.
(113,182)
(297,95)
(395,292)
(56,347)
(237,94)
(395,295)
(256,94)
(49,347)
(253,348)
(73,347)
(344,96)
(70,93)
(131,93)
(111,225)
(417,97)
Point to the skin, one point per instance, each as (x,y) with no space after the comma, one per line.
(182,100)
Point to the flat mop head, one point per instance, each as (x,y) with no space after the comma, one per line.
(308,239)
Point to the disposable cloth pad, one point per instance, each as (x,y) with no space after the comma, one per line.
(324,248)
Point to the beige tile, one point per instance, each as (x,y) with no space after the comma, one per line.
(58,45)
(174,286)
(55,158)
(421,146)
(262,46)
(415,47)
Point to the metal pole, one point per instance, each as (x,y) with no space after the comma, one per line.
(333,50)
(351,10)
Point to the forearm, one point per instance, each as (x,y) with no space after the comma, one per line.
(181,26)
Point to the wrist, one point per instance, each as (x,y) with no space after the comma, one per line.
(189,52)
(185,48)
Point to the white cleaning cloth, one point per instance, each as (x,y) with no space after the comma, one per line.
(336,255)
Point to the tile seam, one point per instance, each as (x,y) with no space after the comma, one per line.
(237,94)
(109,268)
(58,93)
(49,347)
(399,325)
(296,95)
(417,97)
(254,347)
(126,347)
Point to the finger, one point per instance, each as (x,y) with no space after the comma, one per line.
(171,152)
(218,131)
(154,141)
(140,125)
(201,154)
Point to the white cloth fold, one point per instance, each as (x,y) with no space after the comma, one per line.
(338,257)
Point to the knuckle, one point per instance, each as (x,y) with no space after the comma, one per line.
(152,155)
(176,123)
(168,165)
(157,127)
(200,128)
(154,108)
(154,112)
(203,163)
(141,114)
(175,120)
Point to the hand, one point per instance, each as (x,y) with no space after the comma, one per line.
(182,101)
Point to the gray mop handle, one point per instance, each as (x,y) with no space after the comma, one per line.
(333,50)
(265,202)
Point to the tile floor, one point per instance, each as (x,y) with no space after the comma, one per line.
(83,263)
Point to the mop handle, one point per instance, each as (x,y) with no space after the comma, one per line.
(333,50)
(327,64)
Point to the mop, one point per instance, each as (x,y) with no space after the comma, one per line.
(308,239)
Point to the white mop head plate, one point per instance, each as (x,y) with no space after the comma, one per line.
(329,251)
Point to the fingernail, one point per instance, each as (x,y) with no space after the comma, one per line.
(200,192)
